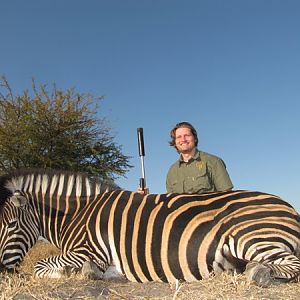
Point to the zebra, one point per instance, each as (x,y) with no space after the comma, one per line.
(154,237)
(39,204)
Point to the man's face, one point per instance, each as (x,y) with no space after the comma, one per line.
(184,140)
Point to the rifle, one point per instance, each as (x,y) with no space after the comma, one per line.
(142,155)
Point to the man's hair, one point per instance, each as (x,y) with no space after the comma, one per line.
(183,125)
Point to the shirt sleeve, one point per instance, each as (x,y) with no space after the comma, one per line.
(168,182)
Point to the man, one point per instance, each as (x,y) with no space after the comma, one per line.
(195,171)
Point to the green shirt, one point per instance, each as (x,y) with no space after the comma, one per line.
(202,173)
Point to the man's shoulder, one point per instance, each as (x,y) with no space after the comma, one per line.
(212,160)
(208,156)
(175,165)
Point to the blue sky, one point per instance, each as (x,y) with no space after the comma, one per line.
(231,68)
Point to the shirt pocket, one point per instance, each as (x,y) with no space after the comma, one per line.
(198,182)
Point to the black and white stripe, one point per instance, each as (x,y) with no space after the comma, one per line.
(164,237)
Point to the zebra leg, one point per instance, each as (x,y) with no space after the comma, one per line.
(279,268)
(54,267)
(67,264)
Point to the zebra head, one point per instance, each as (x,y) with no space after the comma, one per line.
(19,230)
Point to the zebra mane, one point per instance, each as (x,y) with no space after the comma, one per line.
(48,181)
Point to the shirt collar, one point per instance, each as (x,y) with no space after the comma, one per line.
(195,157)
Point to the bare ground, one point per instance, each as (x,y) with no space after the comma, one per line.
(23,286)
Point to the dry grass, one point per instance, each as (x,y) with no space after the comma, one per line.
(224,286)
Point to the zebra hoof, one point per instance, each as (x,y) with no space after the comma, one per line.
(91,271)
(259,274)
(68,271)
(112,274)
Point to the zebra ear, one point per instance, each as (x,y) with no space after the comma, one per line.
(18,200)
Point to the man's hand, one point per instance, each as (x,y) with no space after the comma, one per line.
(144,191)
